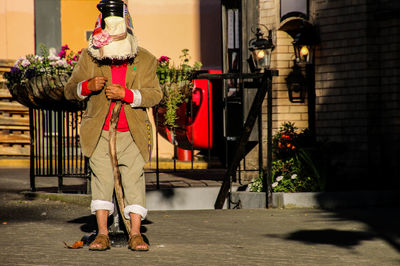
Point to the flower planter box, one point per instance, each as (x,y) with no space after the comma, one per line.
(325,200)
(248,200)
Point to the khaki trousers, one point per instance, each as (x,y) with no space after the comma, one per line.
(130,164)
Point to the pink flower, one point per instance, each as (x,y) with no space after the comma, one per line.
(53,58)
(61,63)
(101,39)
(25,63)
(65,47)
(163,59)
(18,62)
(62,54)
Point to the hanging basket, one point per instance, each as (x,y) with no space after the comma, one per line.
(173,113)
(177,135)
(191,125)
(45,91)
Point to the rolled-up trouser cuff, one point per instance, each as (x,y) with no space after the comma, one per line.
(102,205)
(135,209)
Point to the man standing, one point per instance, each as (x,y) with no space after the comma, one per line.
(113,68)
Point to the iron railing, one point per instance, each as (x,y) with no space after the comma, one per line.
(55,149)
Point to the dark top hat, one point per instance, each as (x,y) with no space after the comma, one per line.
(111,8)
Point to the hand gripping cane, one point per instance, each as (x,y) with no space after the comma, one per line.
(113,156)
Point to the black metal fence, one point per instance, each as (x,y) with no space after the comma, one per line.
(55,150)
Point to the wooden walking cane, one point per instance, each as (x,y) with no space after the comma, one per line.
(113,156)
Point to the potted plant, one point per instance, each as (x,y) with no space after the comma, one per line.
(38,81)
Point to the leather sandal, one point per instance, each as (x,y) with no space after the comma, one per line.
(102,242)
(135,241)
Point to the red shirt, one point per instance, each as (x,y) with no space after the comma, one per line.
(118,74)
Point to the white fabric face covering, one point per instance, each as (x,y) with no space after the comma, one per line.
(117,49)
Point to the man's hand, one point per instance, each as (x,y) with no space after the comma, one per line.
(96,83)
(115,92)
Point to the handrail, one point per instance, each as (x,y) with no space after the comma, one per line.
(264,89)
(199,75)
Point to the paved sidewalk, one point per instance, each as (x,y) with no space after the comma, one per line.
(32,231)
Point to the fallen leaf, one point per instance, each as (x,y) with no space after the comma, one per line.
(77,244)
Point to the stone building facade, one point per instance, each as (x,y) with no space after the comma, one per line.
(357,88)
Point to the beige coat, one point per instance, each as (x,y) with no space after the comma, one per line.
(141,75)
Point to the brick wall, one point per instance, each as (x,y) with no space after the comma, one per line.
(282,60)
(357,88)
(356,84)
(342,82)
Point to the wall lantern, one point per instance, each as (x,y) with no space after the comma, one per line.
(297,85)
(300,81)
(303,45)
(261,50)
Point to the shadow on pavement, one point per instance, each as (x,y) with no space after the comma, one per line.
(89,223)
(382,222)
(340,238)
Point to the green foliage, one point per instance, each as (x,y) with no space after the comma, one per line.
(289,176)
(174,95)
(294,167)
(176,83)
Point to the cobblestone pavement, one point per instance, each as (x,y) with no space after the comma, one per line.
(32,232)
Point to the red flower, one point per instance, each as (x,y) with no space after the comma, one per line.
(62,53)
(163,59)
(64,47)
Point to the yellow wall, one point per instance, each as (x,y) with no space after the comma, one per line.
(16,28)
(162,27)
(167,27)
(77,17)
